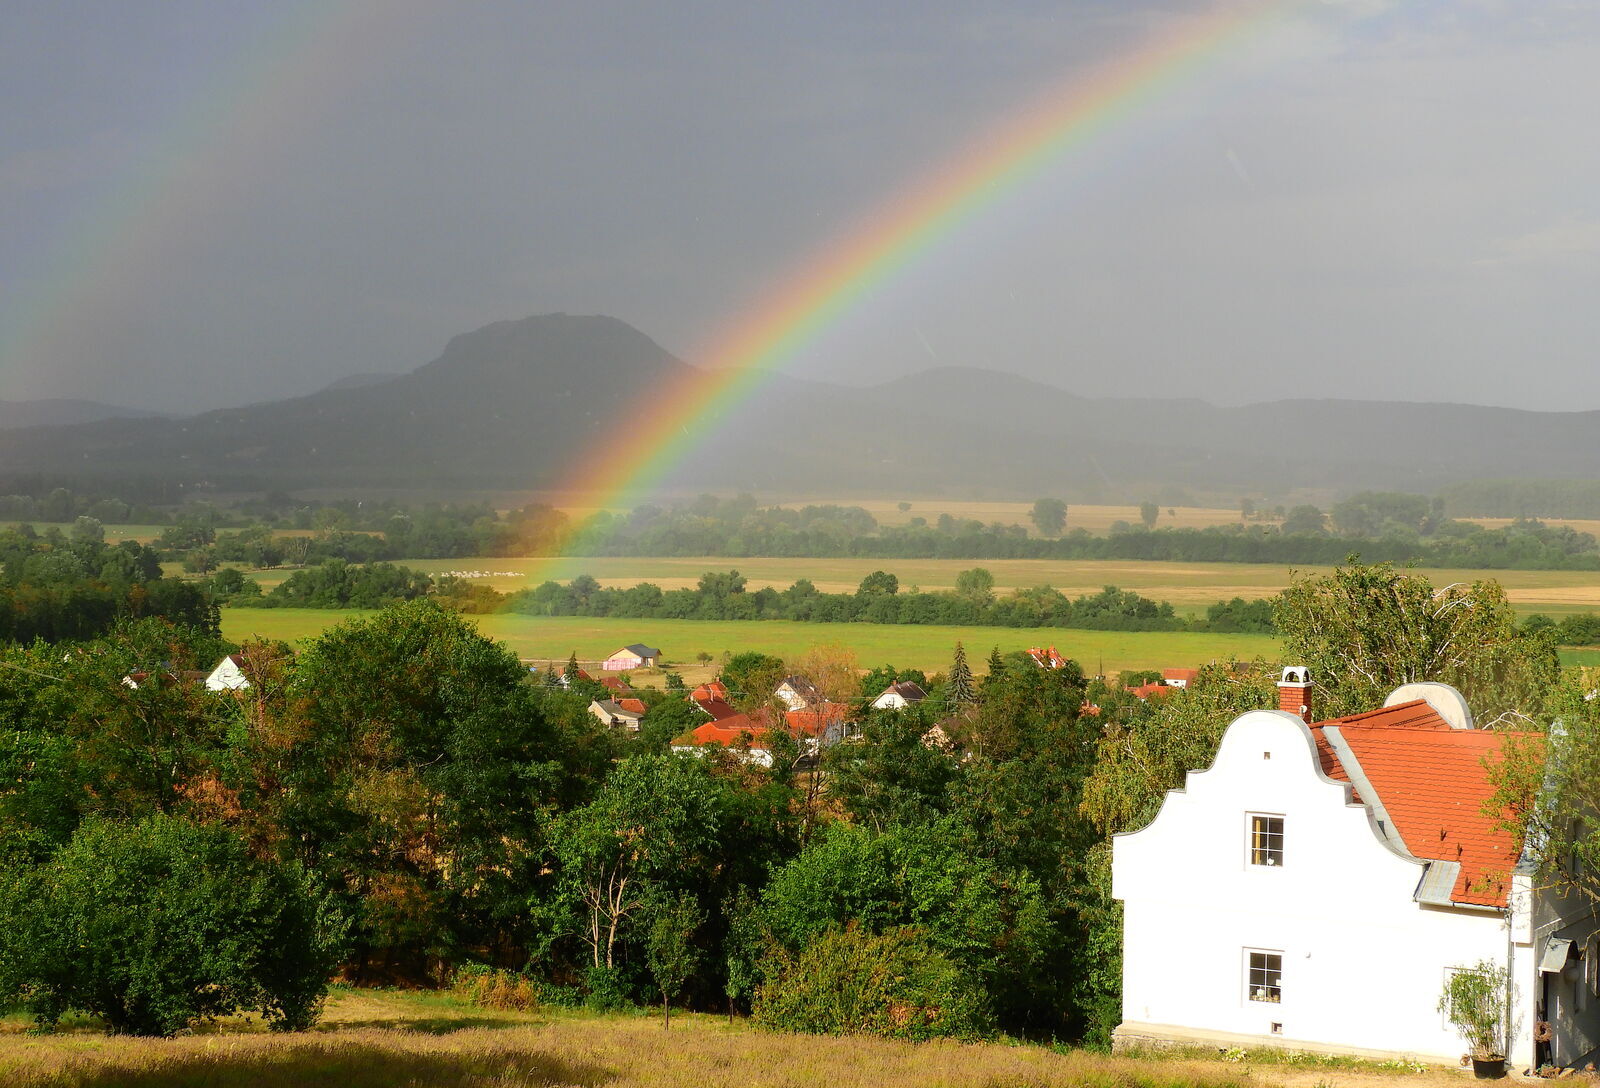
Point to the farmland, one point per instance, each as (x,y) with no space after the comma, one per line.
(928,648)
(1189,586)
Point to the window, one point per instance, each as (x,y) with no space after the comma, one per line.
(1264,976)
(1266,840)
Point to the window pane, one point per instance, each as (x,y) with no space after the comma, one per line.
(1266,840)
(1266,976)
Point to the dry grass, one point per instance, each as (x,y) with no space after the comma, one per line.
(397,1040)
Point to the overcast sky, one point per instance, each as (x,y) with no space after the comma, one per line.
(206,204)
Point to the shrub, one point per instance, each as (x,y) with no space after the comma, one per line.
(491,988)
(894,985)
(1474,1000)
(153,926)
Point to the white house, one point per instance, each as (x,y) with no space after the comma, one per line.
(1313,888)
(899,695)
(228,675)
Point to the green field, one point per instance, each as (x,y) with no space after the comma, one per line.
(543,638)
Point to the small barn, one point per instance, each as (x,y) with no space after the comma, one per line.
(635,656)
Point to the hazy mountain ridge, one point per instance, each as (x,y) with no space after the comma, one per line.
(65,412)
(526,404)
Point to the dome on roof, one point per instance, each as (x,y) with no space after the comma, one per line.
(1449,703)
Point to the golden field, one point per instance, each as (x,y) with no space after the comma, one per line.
(386,1039)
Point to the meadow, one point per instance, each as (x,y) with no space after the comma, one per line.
(546,638)
(383,1039)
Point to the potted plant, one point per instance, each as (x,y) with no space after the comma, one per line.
(1474,1000)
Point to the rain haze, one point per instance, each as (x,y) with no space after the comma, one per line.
(207,205)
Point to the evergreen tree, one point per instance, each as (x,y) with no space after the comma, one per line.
(997,664)
(571,671)
(960,682)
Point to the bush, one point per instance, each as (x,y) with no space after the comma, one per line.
(491,988)
(895,985)
(153,926)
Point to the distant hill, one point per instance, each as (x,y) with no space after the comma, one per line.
(527,404)
(57,412)
(357,381)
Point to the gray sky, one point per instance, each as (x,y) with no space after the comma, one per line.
(208,204)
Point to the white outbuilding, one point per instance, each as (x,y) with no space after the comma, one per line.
(1316,885)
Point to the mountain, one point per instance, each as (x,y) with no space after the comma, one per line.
(528,404)
(356,381)
(58,412)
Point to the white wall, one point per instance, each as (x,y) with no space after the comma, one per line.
(1363,964)
(227,676)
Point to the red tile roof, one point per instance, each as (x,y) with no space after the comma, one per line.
(716,689)
(814,721)
(1433,784)
(615,683)
(729,731)
(635,705)
(1154,688)
(716,708)
(1047,658)
(1179,674)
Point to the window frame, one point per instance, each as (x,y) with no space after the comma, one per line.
(1251,850)
(1249,981)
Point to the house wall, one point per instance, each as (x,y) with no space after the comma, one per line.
(1363,964)
(1566,1000)
(890,700)
(227,677)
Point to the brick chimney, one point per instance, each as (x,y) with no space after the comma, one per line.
(1294,692)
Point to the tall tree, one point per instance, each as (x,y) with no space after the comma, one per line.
(1148,513)
(1365,630)
(958,685)
(1049,516)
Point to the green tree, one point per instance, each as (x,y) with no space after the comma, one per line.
(878,584)
(647,833)
(751,678)
(156,925)
(1049,516)
(975,585)
(1304,520)
(1148,513)
(960,691)
(1365,630)
(670,950)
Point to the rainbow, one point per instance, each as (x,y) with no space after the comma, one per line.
(903,229)
(223,144)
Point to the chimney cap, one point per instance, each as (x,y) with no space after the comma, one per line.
(1296,676)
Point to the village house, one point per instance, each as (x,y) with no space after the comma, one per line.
(625,713)
(797,692)
(1178,678)
(1316,885)
(737,731)
(1047,657)
(228,675)
(635,656)
(712,700)
(899,695)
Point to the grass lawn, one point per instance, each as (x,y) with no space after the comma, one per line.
(555,637)
(380,1039)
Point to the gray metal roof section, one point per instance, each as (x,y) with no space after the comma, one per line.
(1554,959)
(1364,790)
(1438,880)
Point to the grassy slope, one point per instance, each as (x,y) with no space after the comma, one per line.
(381,1038)
(929,648)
